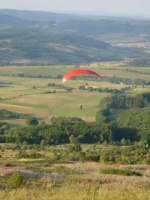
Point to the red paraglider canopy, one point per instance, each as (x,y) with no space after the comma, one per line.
(76,72)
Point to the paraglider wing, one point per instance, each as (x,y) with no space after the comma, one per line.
(77,72)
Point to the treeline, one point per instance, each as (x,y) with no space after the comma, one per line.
(140,63)
(99,89)
(127,81)
(75,130)
(126,102)
(5,114)
(35,76)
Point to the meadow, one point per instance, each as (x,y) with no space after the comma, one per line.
(45,180)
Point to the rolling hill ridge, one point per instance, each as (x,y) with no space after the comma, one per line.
(51,38)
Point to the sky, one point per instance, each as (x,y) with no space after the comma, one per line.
(123,7)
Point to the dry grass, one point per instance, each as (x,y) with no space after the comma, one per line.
(79,188)
(88,184)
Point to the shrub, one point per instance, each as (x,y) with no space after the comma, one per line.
(32,155)
(15,180)
(124,172)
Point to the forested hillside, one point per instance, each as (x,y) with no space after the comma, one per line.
(121,102)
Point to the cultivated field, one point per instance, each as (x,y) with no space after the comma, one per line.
(25,89)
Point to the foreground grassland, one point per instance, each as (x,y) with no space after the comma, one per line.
(81,188)
(43,180)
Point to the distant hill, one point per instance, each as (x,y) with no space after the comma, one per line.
(45,37)
(39,15)
(10,20)
(50,47)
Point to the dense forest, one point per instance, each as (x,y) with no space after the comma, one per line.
(109,104)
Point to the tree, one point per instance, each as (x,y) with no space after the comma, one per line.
(72,140)
(123,141)
(43,143)
(90,89)
(32,121)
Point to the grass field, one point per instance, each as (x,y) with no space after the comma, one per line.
(33,95)
(95,188)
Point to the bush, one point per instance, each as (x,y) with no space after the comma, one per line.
(32,155)
(15,180)
(124,172)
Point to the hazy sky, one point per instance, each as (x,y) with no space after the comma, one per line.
(141,7)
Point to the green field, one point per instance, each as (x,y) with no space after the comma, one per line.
(30,93)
